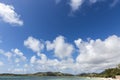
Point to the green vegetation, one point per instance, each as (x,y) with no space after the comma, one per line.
(52,74)
(111,72)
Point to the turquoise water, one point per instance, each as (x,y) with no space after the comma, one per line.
(44,78)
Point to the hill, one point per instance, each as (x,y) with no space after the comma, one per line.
(38,74)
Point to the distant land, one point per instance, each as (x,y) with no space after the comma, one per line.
(111,72)
(39,74)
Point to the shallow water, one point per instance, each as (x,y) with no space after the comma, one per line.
(44,78)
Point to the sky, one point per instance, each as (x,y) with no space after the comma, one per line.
(69,36)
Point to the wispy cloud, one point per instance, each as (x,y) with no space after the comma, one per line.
(8,15)
(1,63)
(77,4)
(57,1)
(114,3)
(0,41)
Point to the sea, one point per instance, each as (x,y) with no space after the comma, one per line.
(45,78)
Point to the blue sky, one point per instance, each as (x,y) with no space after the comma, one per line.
(59,35)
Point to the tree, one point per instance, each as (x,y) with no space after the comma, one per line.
(118,66)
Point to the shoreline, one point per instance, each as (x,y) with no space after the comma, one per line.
(102,78)
(110,79)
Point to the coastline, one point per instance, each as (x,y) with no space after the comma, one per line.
(116,78)
(110,79)
(101,78)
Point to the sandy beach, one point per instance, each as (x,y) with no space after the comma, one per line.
(110,78)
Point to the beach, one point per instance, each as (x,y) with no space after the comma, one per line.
(116,78)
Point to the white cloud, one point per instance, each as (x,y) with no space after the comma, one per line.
(8,55)
(60,47)
(1,51)
(26,65)
(1,63)
(43,57)
(12,60)
(93,56)
(20,54)
(52,65)
(34,44)
(18,70)
(8,15)
(17,60)
(33,59)
(76,4)
(97,55)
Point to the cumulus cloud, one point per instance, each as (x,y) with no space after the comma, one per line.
(42,63)
(12,60)
(60,47)
(52,64)
(8,15)
(33,59)
(20,54)
(97,54)
(93,56)
(15,54)
(7,54)
(34,44)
